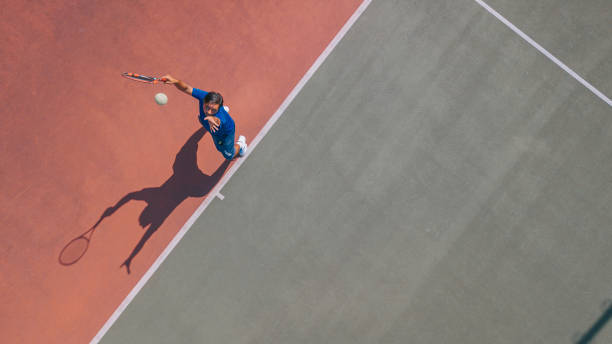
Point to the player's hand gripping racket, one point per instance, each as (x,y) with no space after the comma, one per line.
(144,78)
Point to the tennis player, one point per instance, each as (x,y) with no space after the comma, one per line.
(215,118)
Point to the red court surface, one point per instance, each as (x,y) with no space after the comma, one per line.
(77,138)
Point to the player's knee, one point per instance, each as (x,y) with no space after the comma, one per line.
(228,155)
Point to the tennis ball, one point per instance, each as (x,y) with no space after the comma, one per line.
(161,99)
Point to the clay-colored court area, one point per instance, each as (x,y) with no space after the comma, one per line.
(80,144)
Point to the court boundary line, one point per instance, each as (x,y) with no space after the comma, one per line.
(545,52)
(216,190)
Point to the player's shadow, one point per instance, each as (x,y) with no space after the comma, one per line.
(187,181)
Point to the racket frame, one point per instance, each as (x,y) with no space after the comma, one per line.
(143,78)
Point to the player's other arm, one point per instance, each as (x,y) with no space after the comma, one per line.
(214,122)
(181,85)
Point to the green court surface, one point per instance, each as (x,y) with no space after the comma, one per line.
(438,180)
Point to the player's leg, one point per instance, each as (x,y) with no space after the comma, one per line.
(225,145)
(228,148)
(240,146)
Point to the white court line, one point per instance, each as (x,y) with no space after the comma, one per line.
(215,191)
(221,197)
(545,52)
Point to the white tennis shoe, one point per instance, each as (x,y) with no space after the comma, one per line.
(243,145)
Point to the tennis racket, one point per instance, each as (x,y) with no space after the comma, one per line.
(143,78)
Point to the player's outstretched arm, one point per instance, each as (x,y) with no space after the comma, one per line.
(181,85)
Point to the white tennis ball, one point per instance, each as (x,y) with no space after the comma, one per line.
(161,99)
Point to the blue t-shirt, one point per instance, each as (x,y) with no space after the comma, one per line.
(226,126)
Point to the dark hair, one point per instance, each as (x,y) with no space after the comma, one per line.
(214,97)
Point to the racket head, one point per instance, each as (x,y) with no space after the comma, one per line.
(142,78)
(75,249)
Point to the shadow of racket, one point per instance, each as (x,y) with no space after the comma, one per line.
(76,248)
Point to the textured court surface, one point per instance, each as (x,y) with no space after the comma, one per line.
(78,139)
(438,180)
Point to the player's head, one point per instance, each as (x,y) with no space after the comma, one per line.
(212,102)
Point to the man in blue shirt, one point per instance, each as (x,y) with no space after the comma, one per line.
(215,118)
